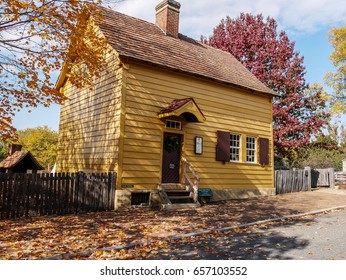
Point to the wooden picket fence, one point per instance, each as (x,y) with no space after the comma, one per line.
(287,181)
(60,193)
(340,180)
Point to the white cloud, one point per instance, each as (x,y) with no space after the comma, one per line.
(200,17)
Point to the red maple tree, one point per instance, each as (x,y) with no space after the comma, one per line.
(299,111)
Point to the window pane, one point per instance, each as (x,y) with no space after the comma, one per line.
(173,125)
(250,149)
(235,147)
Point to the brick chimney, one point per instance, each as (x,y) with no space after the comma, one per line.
(14,148)
(167,17)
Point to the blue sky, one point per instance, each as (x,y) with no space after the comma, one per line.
(306,22)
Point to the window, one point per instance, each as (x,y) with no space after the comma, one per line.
(250,149)
(140,198)
(173,125)
(229,148)
(234,147)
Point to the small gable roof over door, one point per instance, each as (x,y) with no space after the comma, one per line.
(186,108)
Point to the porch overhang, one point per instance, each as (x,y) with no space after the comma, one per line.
(186,108)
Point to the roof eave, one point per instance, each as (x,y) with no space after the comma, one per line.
(38,165)
(62,77)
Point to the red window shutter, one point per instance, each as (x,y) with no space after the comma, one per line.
(264,151)
(223,146)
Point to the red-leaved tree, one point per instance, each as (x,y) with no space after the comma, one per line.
(299,111)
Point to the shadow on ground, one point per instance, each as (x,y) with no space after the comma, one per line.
(67,236)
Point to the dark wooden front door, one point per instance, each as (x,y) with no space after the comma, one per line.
(171,158)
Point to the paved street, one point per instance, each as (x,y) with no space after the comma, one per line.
(320,237)
(113,235)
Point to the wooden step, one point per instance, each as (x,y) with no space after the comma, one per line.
(173,186)
(177,191)
(176,196)
(180,197)
(178,206)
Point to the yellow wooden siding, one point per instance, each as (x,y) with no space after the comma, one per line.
(89,123)
(228,109)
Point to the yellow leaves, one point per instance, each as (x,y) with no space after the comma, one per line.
(97,254)
(101,235)
(32,84)
(338,108)
(21,75)
(336,81)
(44,32)
(121,236)
(19,5)
(337,38)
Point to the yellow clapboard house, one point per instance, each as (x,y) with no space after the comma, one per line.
(169,114)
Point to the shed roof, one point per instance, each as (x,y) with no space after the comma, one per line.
(12,160)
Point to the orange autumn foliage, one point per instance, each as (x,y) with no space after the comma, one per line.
(36,38)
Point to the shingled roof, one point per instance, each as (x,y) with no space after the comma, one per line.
(12,160)
(138,40)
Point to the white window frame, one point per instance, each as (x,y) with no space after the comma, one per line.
(251,149)
(235,145)
(171,124)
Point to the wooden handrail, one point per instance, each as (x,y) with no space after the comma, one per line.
(164,195)
(186,178)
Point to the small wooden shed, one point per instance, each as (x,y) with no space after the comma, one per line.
(19,161)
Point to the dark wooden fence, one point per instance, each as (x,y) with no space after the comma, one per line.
(60,193)
(287,181)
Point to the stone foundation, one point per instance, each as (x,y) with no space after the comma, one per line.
(123,197)
(226,194)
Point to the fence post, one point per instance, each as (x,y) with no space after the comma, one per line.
(80,191)
(308,177)
(29,195)
(76,192)
(2,194)
(17,195)
(331,178)
(6,197)
(113,190)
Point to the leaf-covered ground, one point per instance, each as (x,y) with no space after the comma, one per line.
(102,235)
